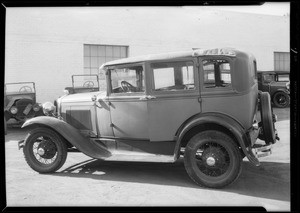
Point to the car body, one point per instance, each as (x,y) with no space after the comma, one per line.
(200,105)
(277,84)
(20,101)
(83,83)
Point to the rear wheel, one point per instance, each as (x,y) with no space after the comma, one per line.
(44,150)
(212,159)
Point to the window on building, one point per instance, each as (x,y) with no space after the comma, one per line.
(169,76)
(216,73)
(96,55)
(281,61)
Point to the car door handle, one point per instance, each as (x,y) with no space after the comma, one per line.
(147,97)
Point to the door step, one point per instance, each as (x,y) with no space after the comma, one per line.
(260,150)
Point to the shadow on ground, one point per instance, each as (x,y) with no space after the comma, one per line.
(270,180)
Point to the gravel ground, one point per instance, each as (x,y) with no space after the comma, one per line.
(83,181)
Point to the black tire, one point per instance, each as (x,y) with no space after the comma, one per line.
(281,99)
(47,141)
(212,146)
(267,118)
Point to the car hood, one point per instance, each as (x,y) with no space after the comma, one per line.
(83,97)
(280,84)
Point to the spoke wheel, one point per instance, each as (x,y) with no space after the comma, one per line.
(212,159)
(44,150)
(281,99)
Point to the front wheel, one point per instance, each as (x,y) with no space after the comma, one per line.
(281,99)
(44,150)
(212,159)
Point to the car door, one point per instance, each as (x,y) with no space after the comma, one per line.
(173,97)
(127,108)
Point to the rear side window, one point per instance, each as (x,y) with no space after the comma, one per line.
(173,76)
(217,73)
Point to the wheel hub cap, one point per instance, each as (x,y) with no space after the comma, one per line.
(41,151)
(210,161)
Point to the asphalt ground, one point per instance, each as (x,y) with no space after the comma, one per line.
(83,181)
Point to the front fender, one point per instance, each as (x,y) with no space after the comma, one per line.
(282,90)
(72,135)
(221,120)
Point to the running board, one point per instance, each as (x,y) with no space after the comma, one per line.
(139,157)
(262,150)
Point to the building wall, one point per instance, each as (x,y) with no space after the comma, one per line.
(45,45)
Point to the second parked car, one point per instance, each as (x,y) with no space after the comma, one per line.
(277,83)
(20,102)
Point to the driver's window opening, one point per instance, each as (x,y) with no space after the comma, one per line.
(127,79)
(172,76)
(216,73)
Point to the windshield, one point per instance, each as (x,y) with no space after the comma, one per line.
(269,78)
(88,81)
(20,88)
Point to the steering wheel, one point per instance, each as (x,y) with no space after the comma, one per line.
(25,89)
(88,84)
(127,87)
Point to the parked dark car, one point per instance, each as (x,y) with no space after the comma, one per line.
(200,105)
(277,83)
(83,83)
(20,102)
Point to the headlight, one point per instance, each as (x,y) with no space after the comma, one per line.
(13,110)
(287,85)
(48,108)
(66,92)
(36,107)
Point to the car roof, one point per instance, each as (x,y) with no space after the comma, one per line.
(173,55)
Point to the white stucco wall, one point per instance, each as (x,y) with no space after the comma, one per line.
(45,45)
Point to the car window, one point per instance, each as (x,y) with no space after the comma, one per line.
(284,78)
(269,78)
(127,79)
(173,76)
(217,73)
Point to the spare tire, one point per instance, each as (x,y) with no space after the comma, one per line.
(267,118)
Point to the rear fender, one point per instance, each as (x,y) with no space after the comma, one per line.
(224,121)
(72,135)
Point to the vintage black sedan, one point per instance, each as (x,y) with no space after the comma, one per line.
(277,83)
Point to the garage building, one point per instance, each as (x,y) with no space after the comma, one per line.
(49,45)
